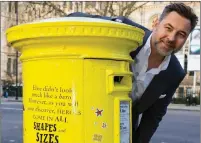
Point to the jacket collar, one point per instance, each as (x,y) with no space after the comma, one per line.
(146,36)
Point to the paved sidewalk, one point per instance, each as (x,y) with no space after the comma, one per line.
(11,99)
(170,107)
(184,107)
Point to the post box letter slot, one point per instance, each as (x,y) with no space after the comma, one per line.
(119,82)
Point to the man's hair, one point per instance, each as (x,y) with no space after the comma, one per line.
(183,10)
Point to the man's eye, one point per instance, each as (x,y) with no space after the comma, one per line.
(182,35)
(168,28)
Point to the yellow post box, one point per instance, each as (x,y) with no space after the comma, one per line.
(76,79)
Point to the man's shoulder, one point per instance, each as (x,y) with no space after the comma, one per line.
(175,66)
(128,21)
(121,19)
(81,14)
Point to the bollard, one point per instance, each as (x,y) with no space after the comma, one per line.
(76,79)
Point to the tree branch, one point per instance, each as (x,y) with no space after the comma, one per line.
(99,11)
(56,8)
(106,8)
(111,10)
(48,13)
(134,8)
(51,5)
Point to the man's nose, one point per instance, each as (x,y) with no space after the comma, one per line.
(171,37)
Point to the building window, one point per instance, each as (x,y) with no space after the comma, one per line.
(9,66)
(14,66)
(181,92)
(191,73)
(188,91)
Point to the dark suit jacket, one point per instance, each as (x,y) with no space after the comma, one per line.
(151,107)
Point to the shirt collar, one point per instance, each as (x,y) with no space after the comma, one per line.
(147,45)
(165,63)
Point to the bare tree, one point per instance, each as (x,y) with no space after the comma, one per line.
(119,8)
(39,9)
(34,10)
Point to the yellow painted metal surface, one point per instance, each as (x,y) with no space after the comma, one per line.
(76,80)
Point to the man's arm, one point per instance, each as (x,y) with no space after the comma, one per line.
(80,14)
(153,115)
(120,19)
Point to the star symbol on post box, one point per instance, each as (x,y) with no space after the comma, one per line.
(99,112)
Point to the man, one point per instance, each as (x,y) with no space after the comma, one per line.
(157,71)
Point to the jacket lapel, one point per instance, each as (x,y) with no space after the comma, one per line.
(153,91)
(160,83)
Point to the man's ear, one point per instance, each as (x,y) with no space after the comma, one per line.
(155,23)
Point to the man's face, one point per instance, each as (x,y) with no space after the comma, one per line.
(170,34)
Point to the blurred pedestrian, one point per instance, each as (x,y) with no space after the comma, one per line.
(5,91)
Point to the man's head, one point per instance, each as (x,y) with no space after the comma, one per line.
(172,29)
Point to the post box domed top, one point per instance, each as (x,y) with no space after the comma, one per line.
(74,26)
(78,37)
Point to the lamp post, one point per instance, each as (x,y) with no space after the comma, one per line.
(16,13)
